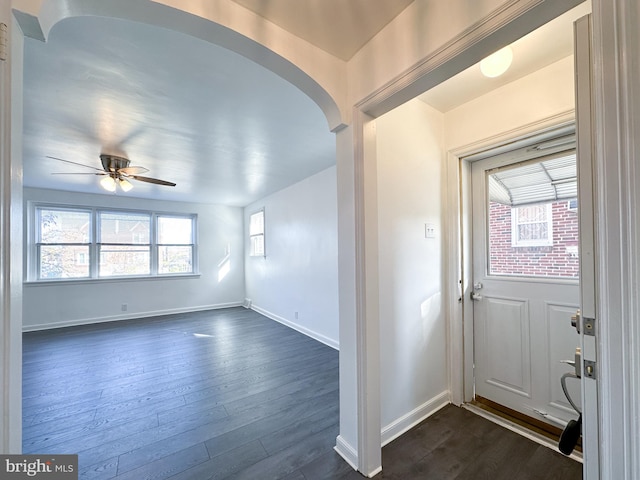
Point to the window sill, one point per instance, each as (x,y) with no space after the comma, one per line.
(82,281)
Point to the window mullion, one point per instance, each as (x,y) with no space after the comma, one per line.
(153,239)
(94,251)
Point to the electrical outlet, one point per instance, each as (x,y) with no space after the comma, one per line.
(296,315)
(124,307)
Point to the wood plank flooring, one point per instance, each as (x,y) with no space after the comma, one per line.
(230,394)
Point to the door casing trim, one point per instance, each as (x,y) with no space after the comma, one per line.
(459,267)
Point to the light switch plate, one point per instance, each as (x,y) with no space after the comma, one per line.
(429,230)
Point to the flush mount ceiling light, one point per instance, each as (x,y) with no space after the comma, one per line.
(497,63)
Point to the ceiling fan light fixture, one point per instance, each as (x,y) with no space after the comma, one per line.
(108,183)
(497,63)
(117,171)
(125,184)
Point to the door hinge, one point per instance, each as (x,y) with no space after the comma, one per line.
(589,369)
(3,41)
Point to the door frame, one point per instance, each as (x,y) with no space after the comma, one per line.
(459,243)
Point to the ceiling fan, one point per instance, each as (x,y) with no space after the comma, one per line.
(116,171)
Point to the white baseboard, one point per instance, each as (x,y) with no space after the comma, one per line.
(414,417)
(309,333)
(127,316)
(395,429)
(347,452)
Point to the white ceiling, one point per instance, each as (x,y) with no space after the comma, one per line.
(224,129)
(542,47)
(340,27)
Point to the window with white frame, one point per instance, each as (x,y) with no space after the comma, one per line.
(175,244)
(63,243)
(532,225)
(84,243)
(256,234)
(124,245)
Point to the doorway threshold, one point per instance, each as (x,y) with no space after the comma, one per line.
(522,430)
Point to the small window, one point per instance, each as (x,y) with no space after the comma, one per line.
(532,226)
(256,234)
(572,205)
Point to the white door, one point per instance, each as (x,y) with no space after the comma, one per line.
(525,276)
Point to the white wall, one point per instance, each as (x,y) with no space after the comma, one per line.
(413,362)
(411,145)
(300,270)
(542,95)
(220,230)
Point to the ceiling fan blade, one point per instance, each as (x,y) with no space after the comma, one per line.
(79,173)
(133,170)
(153,180)
(76,163)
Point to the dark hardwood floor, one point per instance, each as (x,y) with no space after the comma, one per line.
(456,444)
(231,394)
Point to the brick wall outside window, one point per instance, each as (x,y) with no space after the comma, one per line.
(559,260)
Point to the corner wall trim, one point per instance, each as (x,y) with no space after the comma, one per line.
(347,452)
(330,342)
(414,417)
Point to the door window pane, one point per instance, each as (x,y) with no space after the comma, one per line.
(528,233)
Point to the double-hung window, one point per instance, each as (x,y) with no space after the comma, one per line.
(256,234)
(63,243)
(90,243)
(125,244)
(175,244)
